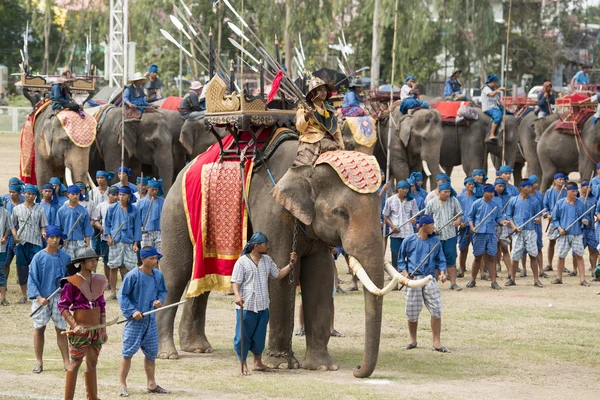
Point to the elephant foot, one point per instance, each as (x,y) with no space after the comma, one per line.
(168,355)
(279,360)
(320,362)
(197,346)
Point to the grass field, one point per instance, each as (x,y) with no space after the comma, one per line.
(517,343)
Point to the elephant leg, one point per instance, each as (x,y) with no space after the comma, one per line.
(192,337)
(281,321)
(316,281)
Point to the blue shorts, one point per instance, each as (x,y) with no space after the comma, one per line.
(2,270)
(449,248)
(10,250)
(589,239)
(25,252)
(485,243)
(496,115)
(142,334)
(463,238)
(255,332)
(410,103)
(395,244)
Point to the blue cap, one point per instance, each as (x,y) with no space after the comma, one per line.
(488,189)
(468,180)
(125,170)
(403,185)
(499,181)
(585,183)
(572,187)
(15,188)
(108,175)
(425,220)
(257,238)
(408,78)
(492,78)
(55,181)
(526,183)
(442,177)
(533,178)
(29,188)
(153,68)
(417,176)
(15,181)
(506,169)
(52,231)
(47,186)
(478,172)
(150,253)
(125,190)
(113,190)
(143,181)
(444,186)
(75,189)
(559,176)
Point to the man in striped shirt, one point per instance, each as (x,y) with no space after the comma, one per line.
(399,209)
(443,209)
(29,228)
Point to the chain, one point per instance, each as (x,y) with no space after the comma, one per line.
(292,282)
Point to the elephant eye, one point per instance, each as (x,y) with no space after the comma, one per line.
(341,212)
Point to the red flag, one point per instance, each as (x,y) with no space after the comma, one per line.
(275,86)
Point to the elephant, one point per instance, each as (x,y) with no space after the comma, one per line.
(147,141)
(196,139)
(175,123)
(528,143)
(415,144)
(566,153)
(465,144)
(328,213)
(56,154)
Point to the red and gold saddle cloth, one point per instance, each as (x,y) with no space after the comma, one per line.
(359,171)
(80,127)
(216,214)
(27,162)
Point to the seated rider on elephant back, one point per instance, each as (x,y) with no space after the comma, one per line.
(352,99)
(409,96)
(490,104)
(134,98)
(60,95)
(318,125)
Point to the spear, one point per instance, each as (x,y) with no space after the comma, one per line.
(450,221)
(407,221)
(528,221)
(73,227)
(554,208)
(423,262)
(389,141)
(579,219)
(47,299)
(154,311)
(482,221)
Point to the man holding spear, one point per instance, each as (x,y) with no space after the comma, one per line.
(420,255)
(483,219)
(74,222)
(552,195)
(397,213)
(523,212)
(590,239)
(143,289)
(447,214)
(569,219)
(150,208)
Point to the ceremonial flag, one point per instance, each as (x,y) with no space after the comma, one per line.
(275,86)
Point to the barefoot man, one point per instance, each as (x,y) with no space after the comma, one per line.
(250,279)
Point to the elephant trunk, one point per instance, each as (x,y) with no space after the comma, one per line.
(164,163)
(373,313)
(76,165)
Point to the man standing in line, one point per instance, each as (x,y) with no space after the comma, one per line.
(399,209)
(29,229)
(551,197)
(150,208)
(74,222)
(466,199)
(99,222)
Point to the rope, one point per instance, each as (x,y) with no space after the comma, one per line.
(583,146)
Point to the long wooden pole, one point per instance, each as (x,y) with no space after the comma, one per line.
(506,80)
(391,119)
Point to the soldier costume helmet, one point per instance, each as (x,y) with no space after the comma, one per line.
(315,83)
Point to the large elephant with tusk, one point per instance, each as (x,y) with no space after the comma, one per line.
(56,153)
(328,213)
(415,143)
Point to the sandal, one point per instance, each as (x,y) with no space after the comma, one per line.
(556,281)
(537,283)
(22,300)
(471,284)
(37,369)
(495,286)
(454,286)
(111,297)
(573,273)
(585,283)
(159,390)
(460,275)
(336,334)
(300,332)
(411,346)
(4,302)
(123,392)
(544,275)
(441,349)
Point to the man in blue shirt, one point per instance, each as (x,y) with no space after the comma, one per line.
(143,290)
(466,199)
(485,240)
(11,200)
(150,209)
(506,174)
(74,222)
(519,210)
(590,240)
(501,198)
(124,233)
(418,178)
(352,99)
(60,95)
(545,98)
(581,78)
(535,184)
(552,195)
(567,211)
(46,270)
(453,88)
(413,251)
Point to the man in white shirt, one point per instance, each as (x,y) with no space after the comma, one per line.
(490,104)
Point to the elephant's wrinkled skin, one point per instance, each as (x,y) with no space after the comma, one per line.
(415,139)
(338,216)
(147,141)
(528,143)
(54,151)
(175,123)
(560,152)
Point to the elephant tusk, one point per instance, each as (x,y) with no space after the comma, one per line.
(442,170)
(426,168)
(361,274)
(91,182)
(411,283)
(68,177)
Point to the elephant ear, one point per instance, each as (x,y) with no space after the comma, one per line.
(405,130)
(46,134)
(186,138)
(294,193)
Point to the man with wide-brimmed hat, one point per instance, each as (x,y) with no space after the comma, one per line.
(134,97)
(82,305)
(353,98)
(60,95)
(191,106)
(453,88)
(317,124)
